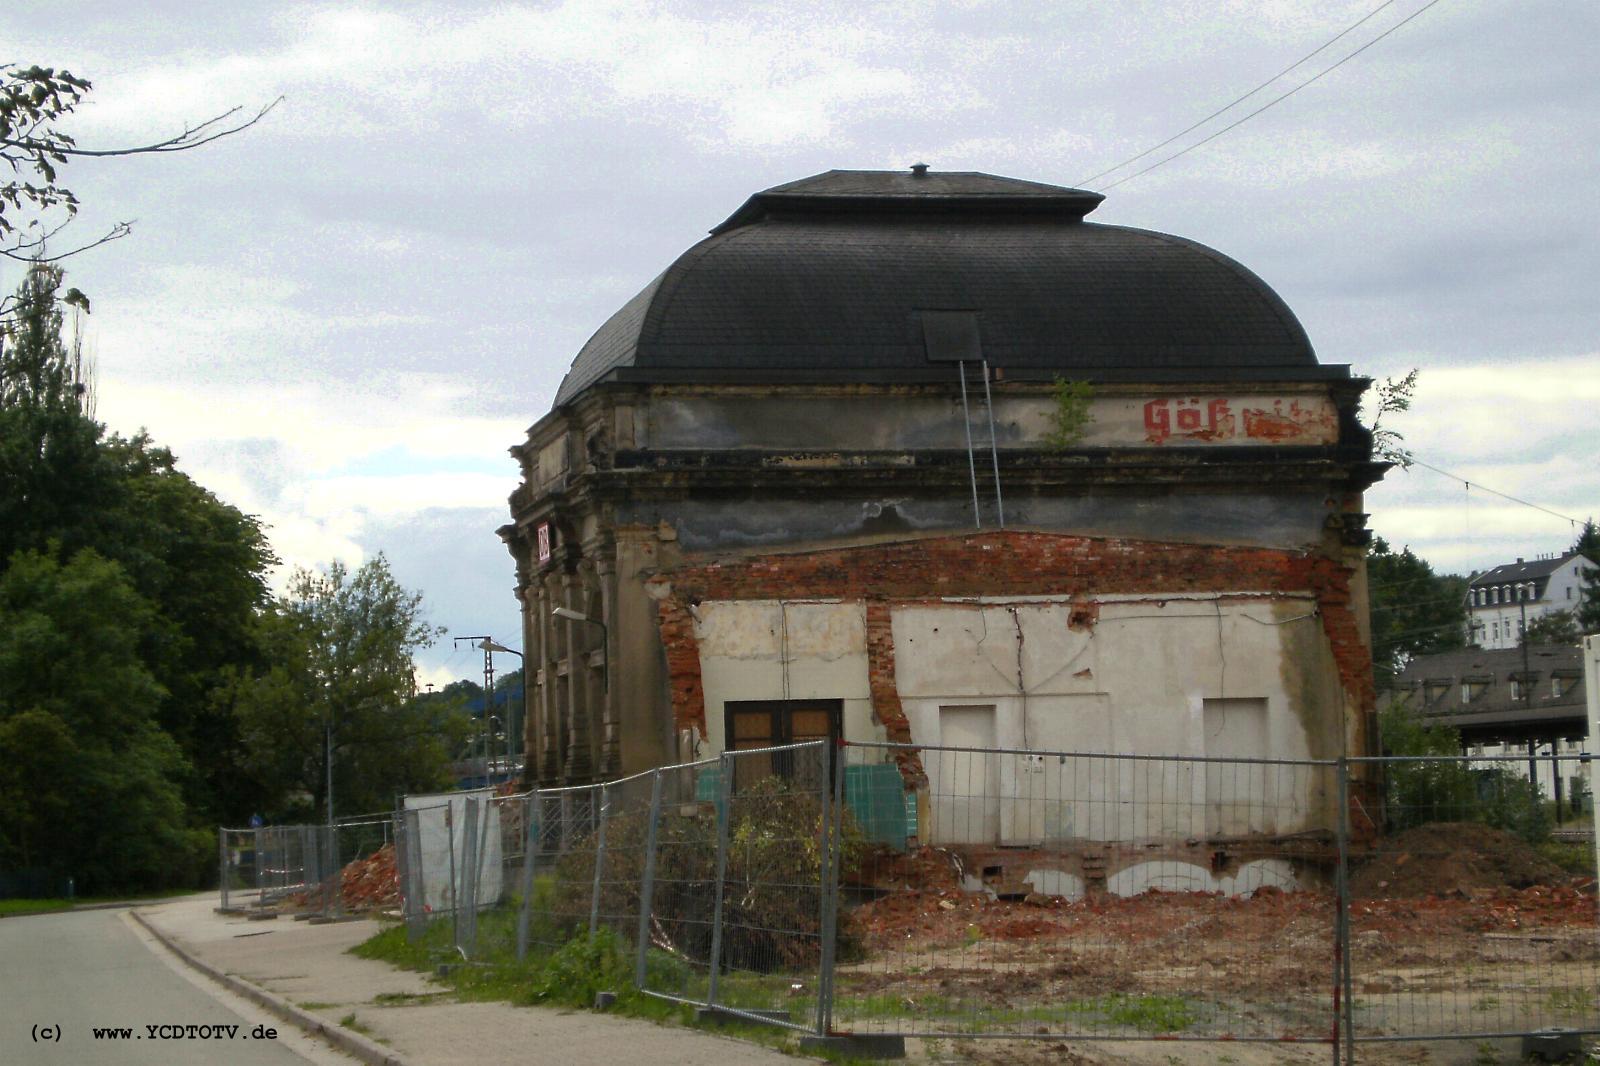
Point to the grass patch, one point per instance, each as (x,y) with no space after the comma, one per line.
(312,1004)
(404,999)
(37,906)
(355,1025)
(1147,1014)
(570,975)
(1150,1014)
(1577,859)
(1571,1000)
(33,906)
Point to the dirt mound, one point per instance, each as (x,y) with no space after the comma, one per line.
(1451,858)
(372,882)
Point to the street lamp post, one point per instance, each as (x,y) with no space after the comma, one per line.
(490,646)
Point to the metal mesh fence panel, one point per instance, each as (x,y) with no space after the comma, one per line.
(679,903)
(238,873)
(566,833)
(1019,893)
(1468,916)
(767,952)
(494,881)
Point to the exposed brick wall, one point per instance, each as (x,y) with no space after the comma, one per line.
(683,664)
(885,689)
(1000,563)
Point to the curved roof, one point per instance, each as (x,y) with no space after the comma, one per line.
(826,279)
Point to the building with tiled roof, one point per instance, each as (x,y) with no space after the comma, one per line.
(820,478)
(1502,601)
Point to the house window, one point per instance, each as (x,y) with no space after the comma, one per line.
(1560,686)
(1471,690)
(772,723)
(1494,595)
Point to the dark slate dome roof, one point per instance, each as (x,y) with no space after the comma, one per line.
(826,278)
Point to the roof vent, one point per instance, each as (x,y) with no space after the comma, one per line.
(919,170)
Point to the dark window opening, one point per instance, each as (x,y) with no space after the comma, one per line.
(754,724)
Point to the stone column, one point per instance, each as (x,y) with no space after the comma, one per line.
(579,766)
(549,709)
(611,731)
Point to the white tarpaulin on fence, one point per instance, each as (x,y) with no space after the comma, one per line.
(443,847)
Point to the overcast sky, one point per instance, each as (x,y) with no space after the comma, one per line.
(342,319)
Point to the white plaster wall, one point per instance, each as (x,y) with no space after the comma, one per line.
(773,650)
(1135,683)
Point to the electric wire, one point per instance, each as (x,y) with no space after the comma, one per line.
(1324,72)
(1236,101)
(1504,496)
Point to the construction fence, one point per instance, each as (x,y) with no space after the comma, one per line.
(303,868)
(881,889)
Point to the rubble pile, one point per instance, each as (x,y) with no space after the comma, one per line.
(372,883)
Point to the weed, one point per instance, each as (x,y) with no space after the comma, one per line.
(313,1004)
(355,1025)
(1571,1000)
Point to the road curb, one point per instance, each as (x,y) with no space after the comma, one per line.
(368,1051)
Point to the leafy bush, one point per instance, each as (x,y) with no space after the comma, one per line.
(1417,793)
(771,892)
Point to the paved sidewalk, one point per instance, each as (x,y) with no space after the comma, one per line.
(307,966)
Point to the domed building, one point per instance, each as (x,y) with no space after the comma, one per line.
(928,458)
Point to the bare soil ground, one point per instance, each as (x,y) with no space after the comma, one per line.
(1455,930)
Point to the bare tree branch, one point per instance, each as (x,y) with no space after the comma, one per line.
(182,142)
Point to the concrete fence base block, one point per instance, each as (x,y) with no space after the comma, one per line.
(858,1045)
(1552,1045)
(723,1016)
(604,1000)
(263,918)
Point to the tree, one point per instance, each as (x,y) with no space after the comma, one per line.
(1414,610)
(34,101)
(200,562)
(1438,788)
(1557,627)
(87,778)
(1588,545)
(339,685)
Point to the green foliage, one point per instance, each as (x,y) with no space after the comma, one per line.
(774,873)
(32,100)
(337,654)
(1414,610)
(1557,627)
(87,778)
(199,563)
(1588,545)
(1418,793)
(1392,396)
(1071,416)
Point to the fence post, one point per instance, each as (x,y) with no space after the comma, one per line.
(724,791)
(647,886)
(833,765)
(467,894)
(599,859)
(222,865)
(530,832)
(1341,953)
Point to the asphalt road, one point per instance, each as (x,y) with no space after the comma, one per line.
(64,975)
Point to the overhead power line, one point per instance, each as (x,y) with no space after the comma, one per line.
(1324,72)
(1481,487)
(1236,101)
